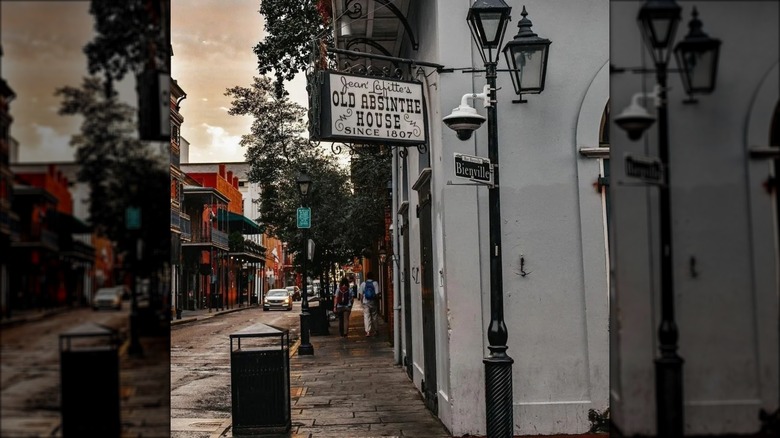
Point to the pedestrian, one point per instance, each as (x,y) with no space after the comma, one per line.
(370,293)
(343,306)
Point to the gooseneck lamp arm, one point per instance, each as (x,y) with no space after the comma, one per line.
(484,96)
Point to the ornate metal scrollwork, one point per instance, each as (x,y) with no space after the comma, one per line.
(353,9)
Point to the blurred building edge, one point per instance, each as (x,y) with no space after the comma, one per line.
(722,173)
(8,219)
(52,251)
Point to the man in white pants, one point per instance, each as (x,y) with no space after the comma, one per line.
(370,300)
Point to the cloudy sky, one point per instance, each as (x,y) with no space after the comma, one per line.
(42,50)
(212,43)
(212,51)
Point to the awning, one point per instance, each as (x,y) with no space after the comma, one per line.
(238,222)
(68,223)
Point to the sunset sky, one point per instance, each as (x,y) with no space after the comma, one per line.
(212,51)
(42,51)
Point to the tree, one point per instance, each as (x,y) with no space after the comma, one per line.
(129,38)
(296,35)
(119,169)
(293,29)
(277,151)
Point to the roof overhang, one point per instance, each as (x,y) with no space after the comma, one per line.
(379,27)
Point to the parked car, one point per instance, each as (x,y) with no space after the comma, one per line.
(108,298)
(277,299)
(295,292)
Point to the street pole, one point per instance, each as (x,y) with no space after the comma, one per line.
(498,365)
(305,348)
(668,367)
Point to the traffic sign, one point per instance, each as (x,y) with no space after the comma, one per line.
(133,218)
(473,168)
(648,169)
(304,217)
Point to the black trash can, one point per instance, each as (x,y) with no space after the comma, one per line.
(320,326)
(89,382)
(260,380)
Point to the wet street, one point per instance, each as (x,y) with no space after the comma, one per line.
(200,366)
(30,373)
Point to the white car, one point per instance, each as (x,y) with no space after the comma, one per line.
(277,299)
(108,298)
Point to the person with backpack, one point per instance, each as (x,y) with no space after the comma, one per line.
(342,306)
(370,293)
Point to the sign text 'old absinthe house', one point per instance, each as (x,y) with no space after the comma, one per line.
(372,110)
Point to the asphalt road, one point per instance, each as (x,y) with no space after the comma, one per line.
(200,365)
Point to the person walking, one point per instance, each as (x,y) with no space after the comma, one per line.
(343,306)
(370,293)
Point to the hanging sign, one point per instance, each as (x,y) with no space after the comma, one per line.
(369,109)
(647,169)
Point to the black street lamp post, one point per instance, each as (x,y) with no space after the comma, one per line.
(527,58)
(304,187)
(697,55)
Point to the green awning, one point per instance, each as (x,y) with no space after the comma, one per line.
(238,222)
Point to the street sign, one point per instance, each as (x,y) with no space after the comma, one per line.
(473,168)
(311,249)
(133,218)
(304,217)
(648,169)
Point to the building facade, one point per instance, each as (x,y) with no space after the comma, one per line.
(180,221)
(553,208)
(255,274)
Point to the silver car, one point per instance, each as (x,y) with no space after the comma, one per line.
(108,298)
(277,299)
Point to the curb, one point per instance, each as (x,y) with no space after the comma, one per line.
(14,321)
(207,316)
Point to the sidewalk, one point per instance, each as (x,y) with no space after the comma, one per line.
(351,388)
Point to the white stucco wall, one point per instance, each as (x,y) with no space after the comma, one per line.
(556,316)
(727,307)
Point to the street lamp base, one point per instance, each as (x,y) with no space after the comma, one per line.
(135,348)
(669,395)
(498,397)
(305,350)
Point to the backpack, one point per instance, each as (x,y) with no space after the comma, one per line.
(369,291)
(344,298)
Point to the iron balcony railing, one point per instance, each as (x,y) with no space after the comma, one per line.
(247,246)
(186,227)
(219,238)
(211,235)
(50,239)
(175,220)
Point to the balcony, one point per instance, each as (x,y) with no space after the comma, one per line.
(246,249)
(175,220)
(185,227)
(209,236)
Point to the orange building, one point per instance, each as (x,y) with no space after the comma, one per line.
(52,260)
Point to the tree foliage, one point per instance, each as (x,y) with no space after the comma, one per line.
(129,38)
(277,152)
(119,169)
(347,206)
(293,28)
